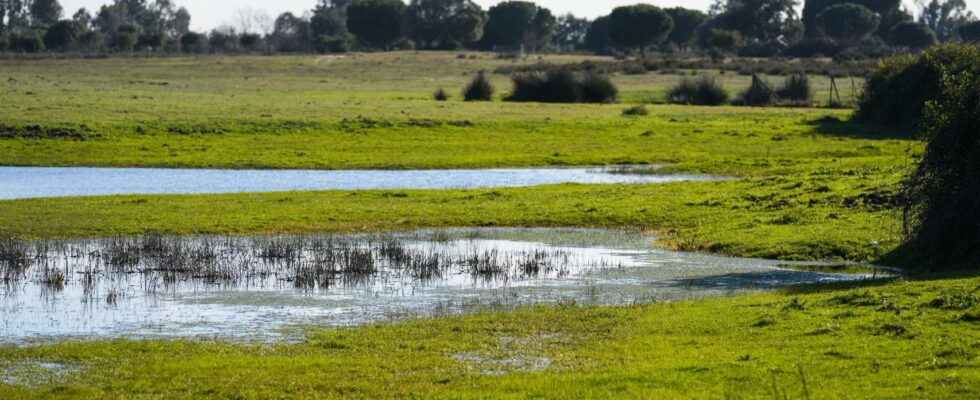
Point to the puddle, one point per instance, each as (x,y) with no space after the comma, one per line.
(261,288)
(31,182)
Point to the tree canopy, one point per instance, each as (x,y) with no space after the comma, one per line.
(686,23)
(444,23)
(639,26)
(377,22)
(847,21)
(516,23)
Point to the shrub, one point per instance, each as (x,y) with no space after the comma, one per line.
(27,42)
(896,93)
(331,44)
(758,94)
(636,111)
(970,31)
(597,88)
(479,89)
(796,89)
(704,91)
(192,42)
(440,95)
(942,210)
(561,85)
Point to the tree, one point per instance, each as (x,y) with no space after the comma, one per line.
(61,35)
(945,17)
(45,12)
(597,37)
(253,21)
(970,32)
(639,26)
(942,210)
(686,23)
(760,20)
(82,18)
(192,42)
(847,21)
(721,41)
(912,35)
(291,33)
(570,32)
(124,38)
(377,22)
(223,40)
(890,13)
(16,14)
(444,23)
(519,23)
(27,41)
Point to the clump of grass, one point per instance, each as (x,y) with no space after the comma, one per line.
(758,94)
(479,89)
(638,110)
(562,85)
(704,91)
(440,95)
(796,89)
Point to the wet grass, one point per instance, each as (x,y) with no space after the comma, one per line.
(313,263)
(894,339)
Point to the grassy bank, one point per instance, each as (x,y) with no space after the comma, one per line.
(828,215)
(895,340)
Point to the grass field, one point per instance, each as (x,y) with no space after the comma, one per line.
(810,185)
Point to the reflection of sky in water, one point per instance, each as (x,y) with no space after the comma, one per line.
(598,267)
(31,182)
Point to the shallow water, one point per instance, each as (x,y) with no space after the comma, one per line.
(259,288)
(30,182)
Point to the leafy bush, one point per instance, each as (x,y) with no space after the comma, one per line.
(479,89)
(796,90)
(970,31)
(942,210)
(896,93)
(636,111)
(703,91)
(758,94)
(440,95)
(561,85)
(27,42)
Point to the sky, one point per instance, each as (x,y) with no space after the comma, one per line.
(208,14)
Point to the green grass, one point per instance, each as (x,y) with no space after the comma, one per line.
(904,339)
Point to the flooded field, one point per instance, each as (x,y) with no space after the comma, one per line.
(259,288)
(29,182)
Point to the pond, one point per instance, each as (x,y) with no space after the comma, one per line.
(32,182)
(265,288)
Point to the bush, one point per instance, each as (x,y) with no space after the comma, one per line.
(896,93)
(758,94)
(561,85)
(970,31)
(331,44)
(27,42)
(479,89)
(942,196)
(4,42)
(704,91)
(796,89)
(192,42)
(440,95)
(636,111)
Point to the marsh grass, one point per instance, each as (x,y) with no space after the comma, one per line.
(703,91)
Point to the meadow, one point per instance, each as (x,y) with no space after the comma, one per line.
(809,185)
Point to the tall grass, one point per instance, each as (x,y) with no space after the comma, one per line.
(796,90)
(479,89)
(562,85)
(703,91)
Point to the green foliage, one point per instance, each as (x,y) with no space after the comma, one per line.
(970,32)
(897,92)
(440,95)
(762,20)
(847,21)
(722,41)
(561,85)
(703,91)
(444,24)
(636,111)
(942,209)
(377,22)
(519,23)
(45,12)
(686,24)
(912,35)
(29,41)
(597,38)
(639,26)
(193,42)
(758,94)
(62,35)
(796,90)
(945,17)
(889,11)
(479,89)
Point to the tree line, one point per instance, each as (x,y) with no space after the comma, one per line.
(743,27)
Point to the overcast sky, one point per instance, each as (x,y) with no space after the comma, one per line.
(207,14)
